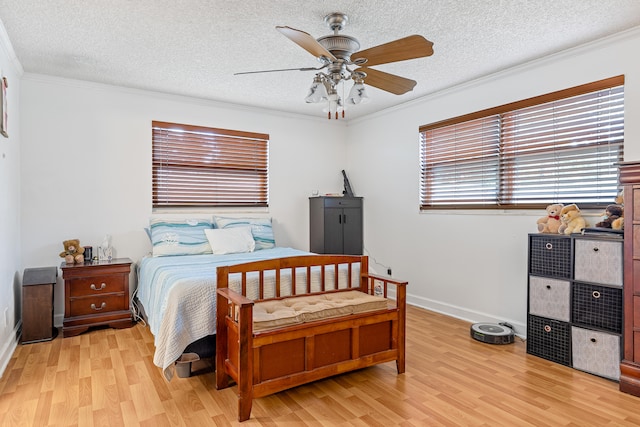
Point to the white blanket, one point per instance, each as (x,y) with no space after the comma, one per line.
(178,294)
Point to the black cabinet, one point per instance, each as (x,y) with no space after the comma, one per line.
(335,225)
(575,301)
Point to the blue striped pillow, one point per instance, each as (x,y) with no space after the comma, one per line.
(260,228)
(179,236)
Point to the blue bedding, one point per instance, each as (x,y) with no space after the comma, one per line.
(178,294)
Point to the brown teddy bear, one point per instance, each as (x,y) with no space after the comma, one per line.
(618,224)
(572,220)
(551,222)
(73,252)
(612,216)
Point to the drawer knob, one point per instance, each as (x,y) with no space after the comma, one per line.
(548,286)
(594,340)
(549,246)
(103,305)
(102,286)
(596,249)
(547,328)
(595,294)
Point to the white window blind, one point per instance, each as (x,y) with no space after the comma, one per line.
(199,166)
(563,147)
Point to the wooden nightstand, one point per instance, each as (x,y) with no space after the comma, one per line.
(96,293)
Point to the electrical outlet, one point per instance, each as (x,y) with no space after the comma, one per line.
(389,271)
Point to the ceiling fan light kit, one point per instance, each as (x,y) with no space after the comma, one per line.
(334,52)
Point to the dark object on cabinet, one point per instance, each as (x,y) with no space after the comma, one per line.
(335,225)
(96,294)
(347,186)
(37,304)
(575,301)
(630,365)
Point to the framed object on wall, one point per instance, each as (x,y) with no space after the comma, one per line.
(3,107)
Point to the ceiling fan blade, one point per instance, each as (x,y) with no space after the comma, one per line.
(410,47)
(387,82)
(282,69)
(306,41)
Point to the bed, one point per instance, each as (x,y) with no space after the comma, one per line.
(178,297)
(176,292)
(314,316)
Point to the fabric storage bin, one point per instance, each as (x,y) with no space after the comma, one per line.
(596,352)
(598,261)
(550,255)
(549,339)
(549,298)
(597,306)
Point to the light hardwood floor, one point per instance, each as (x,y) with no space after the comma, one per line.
(106,377)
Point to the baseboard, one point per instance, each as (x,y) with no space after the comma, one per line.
(9,348)
(471,316)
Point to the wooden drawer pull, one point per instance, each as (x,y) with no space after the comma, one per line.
(93,287)
(103,305)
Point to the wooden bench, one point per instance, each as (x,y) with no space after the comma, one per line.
(263,362)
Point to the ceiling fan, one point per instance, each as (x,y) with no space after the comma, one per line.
(335,51)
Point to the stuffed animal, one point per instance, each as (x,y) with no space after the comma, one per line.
(551,222)
(612,214)
(618,224)
(73,252)
(571,219)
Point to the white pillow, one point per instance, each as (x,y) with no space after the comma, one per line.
(230,240)
(260,228)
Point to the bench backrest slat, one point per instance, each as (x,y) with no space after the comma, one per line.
(318,269)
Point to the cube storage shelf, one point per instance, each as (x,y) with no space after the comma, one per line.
(575,301)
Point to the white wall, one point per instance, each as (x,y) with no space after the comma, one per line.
(86,165)
(10,239)
(470,264)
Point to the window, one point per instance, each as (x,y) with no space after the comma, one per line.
(199,166)
(563,147)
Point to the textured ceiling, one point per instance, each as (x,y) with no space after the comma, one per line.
(194,47)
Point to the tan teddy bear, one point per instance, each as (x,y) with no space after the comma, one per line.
(551,222)
(572,220)
(73,252)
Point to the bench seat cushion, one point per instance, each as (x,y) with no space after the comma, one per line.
(295,310)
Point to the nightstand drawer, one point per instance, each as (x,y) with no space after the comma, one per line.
(96,285)
(98,304)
